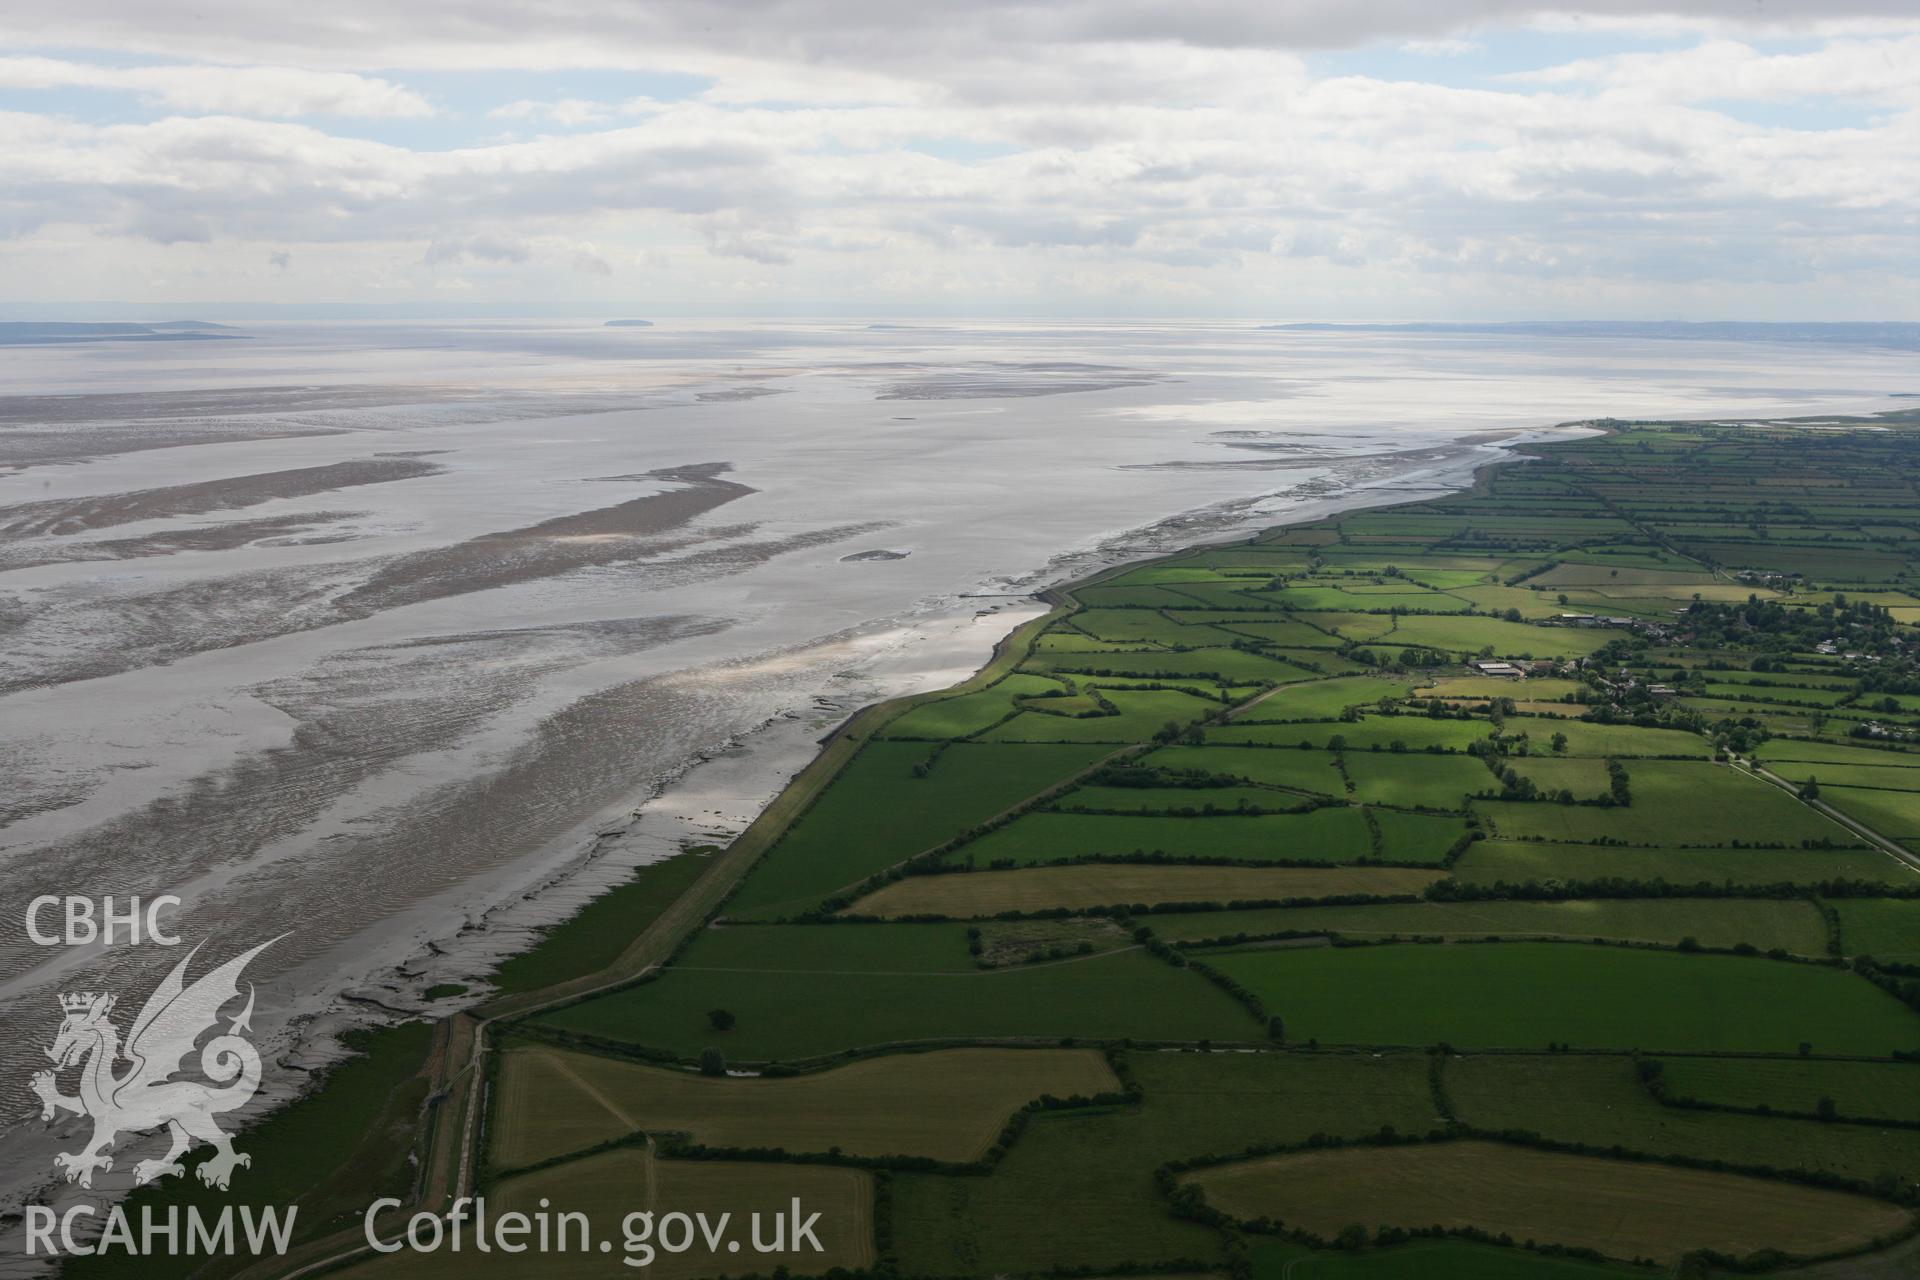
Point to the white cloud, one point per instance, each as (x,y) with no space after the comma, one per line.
(1861,70)
(249,91)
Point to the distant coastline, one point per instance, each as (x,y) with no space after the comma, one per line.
(35,333)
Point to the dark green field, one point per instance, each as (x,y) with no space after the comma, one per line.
(1515,995)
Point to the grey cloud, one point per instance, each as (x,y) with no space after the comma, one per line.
(869,33)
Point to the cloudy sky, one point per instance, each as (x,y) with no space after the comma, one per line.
(1277,158)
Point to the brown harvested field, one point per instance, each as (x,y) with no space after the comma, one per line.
(1625,1209)
(609,1187)
(986,893)
(947,1105)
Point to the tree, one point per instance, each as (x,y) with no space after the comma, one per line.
(1277,1029)
(712,1062)
(720,1019)
(1558,742)
(1810,789)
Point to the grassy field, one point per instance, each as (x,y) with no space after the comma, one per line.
(986,893)
(853,831)
(1178,800)
(607,1188)
(1324,835)
(1522,862)
(1514,995)
(1762,922)
(1304,770)
(891,983)
(1416,837)
(1508,639)
(949,1104)
(1415,733)
(1323,699)
(1675,802)
(970,712)
(1142,712)
(1416,780)
(1891,813)
(1623,1209)
(1077,1190)
(1235,666)
(1599,1101)
(1865,1090)
(1885,929)
(1622,740)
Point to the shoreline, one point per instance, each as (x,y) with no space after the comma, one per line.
(608,847)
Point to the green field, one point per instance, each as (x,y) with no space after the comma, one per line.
(1884,928)
(893,983)
(1860,1090)
(1415,733)
(1526,862)
(1417,780)
(1102,884)
(1142,712)
(1891,813)
(1322,699)
(1622,740)
(1624,1209)
(1792,924)
(1302,770)
(949,1104)
(1675,802)
(1324,835)
(1179,800)
(853,832)
(1077,1190)
(1514,995)
(970,712)
(1600,1102)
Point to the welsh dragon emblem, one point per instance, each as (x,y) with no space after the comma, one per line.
(145,1097)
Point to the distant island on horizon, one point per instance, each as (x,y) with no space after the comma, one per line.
(25,333)
(628,324)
